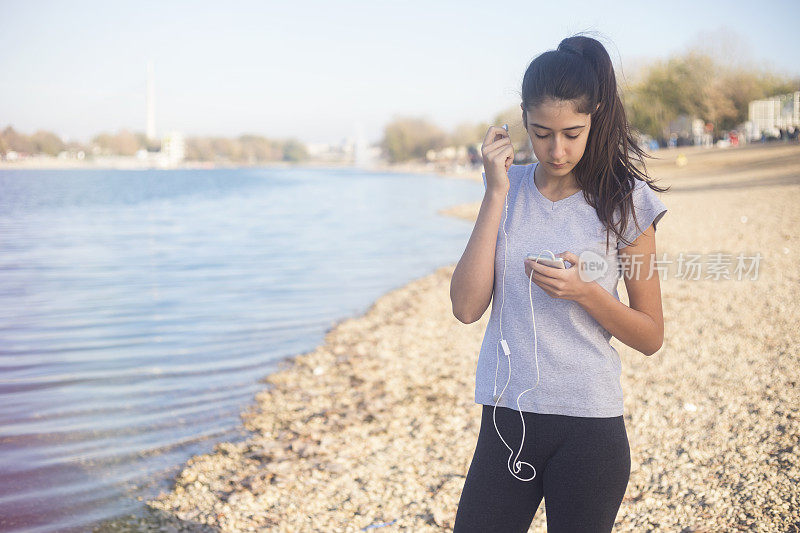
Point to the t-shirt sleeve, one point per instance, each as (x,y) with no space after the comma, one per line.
(483,175)
(649,210)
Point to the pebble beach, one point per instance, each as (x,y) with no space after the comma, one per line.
(375,428)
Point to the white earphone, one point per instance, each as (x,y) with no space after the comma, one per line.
(517,463)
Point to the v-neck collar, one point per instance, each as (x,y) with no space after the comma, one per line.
(542,198)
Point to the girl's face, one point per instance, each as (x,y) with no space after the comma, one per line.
(558,135)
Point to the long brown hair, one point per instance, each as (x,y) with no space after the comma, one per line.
(580,71)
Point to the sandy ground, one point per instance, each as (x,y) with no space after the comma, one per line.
(377,426)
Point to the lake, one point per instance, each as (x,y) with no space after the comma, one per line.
(140,308)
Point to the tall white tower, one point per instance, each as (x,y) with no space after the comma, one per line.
(360,157)
(151,103)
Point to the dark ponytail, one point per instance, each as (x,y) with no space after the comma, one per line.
(580,70)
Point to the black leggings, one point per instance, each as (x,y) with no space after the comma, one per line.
(582,469)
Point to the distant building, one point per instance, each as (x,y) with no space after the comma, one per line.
(173,148)
(318,150)
(772,115)
(335,153)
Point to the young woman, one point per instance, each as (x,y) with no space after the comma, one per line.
(552,424)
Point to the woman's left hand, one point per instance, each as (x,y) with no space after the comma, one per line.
(559,283)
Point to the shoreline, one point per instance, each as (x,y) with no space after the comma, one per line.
(663,156)
(379,420)
(133,163)
(455,172)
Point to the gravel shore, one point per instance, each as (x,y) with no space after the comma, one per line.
(377,426)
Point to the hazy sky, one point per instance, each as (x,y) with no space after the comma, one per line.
(314,70)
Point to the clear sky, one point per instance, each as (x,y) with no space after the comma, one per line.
(316,70)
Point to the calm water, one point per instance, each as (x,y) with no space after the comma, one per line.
(139,309)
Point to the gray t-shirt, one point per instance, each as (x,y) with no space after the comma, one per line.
(579,370)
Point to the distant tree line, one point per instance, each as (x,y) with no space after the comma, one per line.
(692,84)
(243,149)
(41,142)
(697,86)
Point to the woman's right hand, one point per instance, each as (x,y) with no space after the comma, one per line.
(498,155)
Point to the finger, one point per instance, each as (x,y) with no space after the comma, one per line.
(537,275)
(508,150)
(500,132)
(544,287)
(569,256)
(544,270)
(500,142)
(550,275)
(533,265)
(494,148)
(528,269)
(543,282)
(492,133)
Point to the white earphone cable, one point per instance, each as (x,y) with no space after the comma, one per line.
(517,463)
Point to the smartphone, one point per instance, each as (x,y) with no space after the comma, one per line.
(558,262)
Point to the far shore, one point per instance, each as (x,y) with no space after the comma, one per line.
(440,168)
